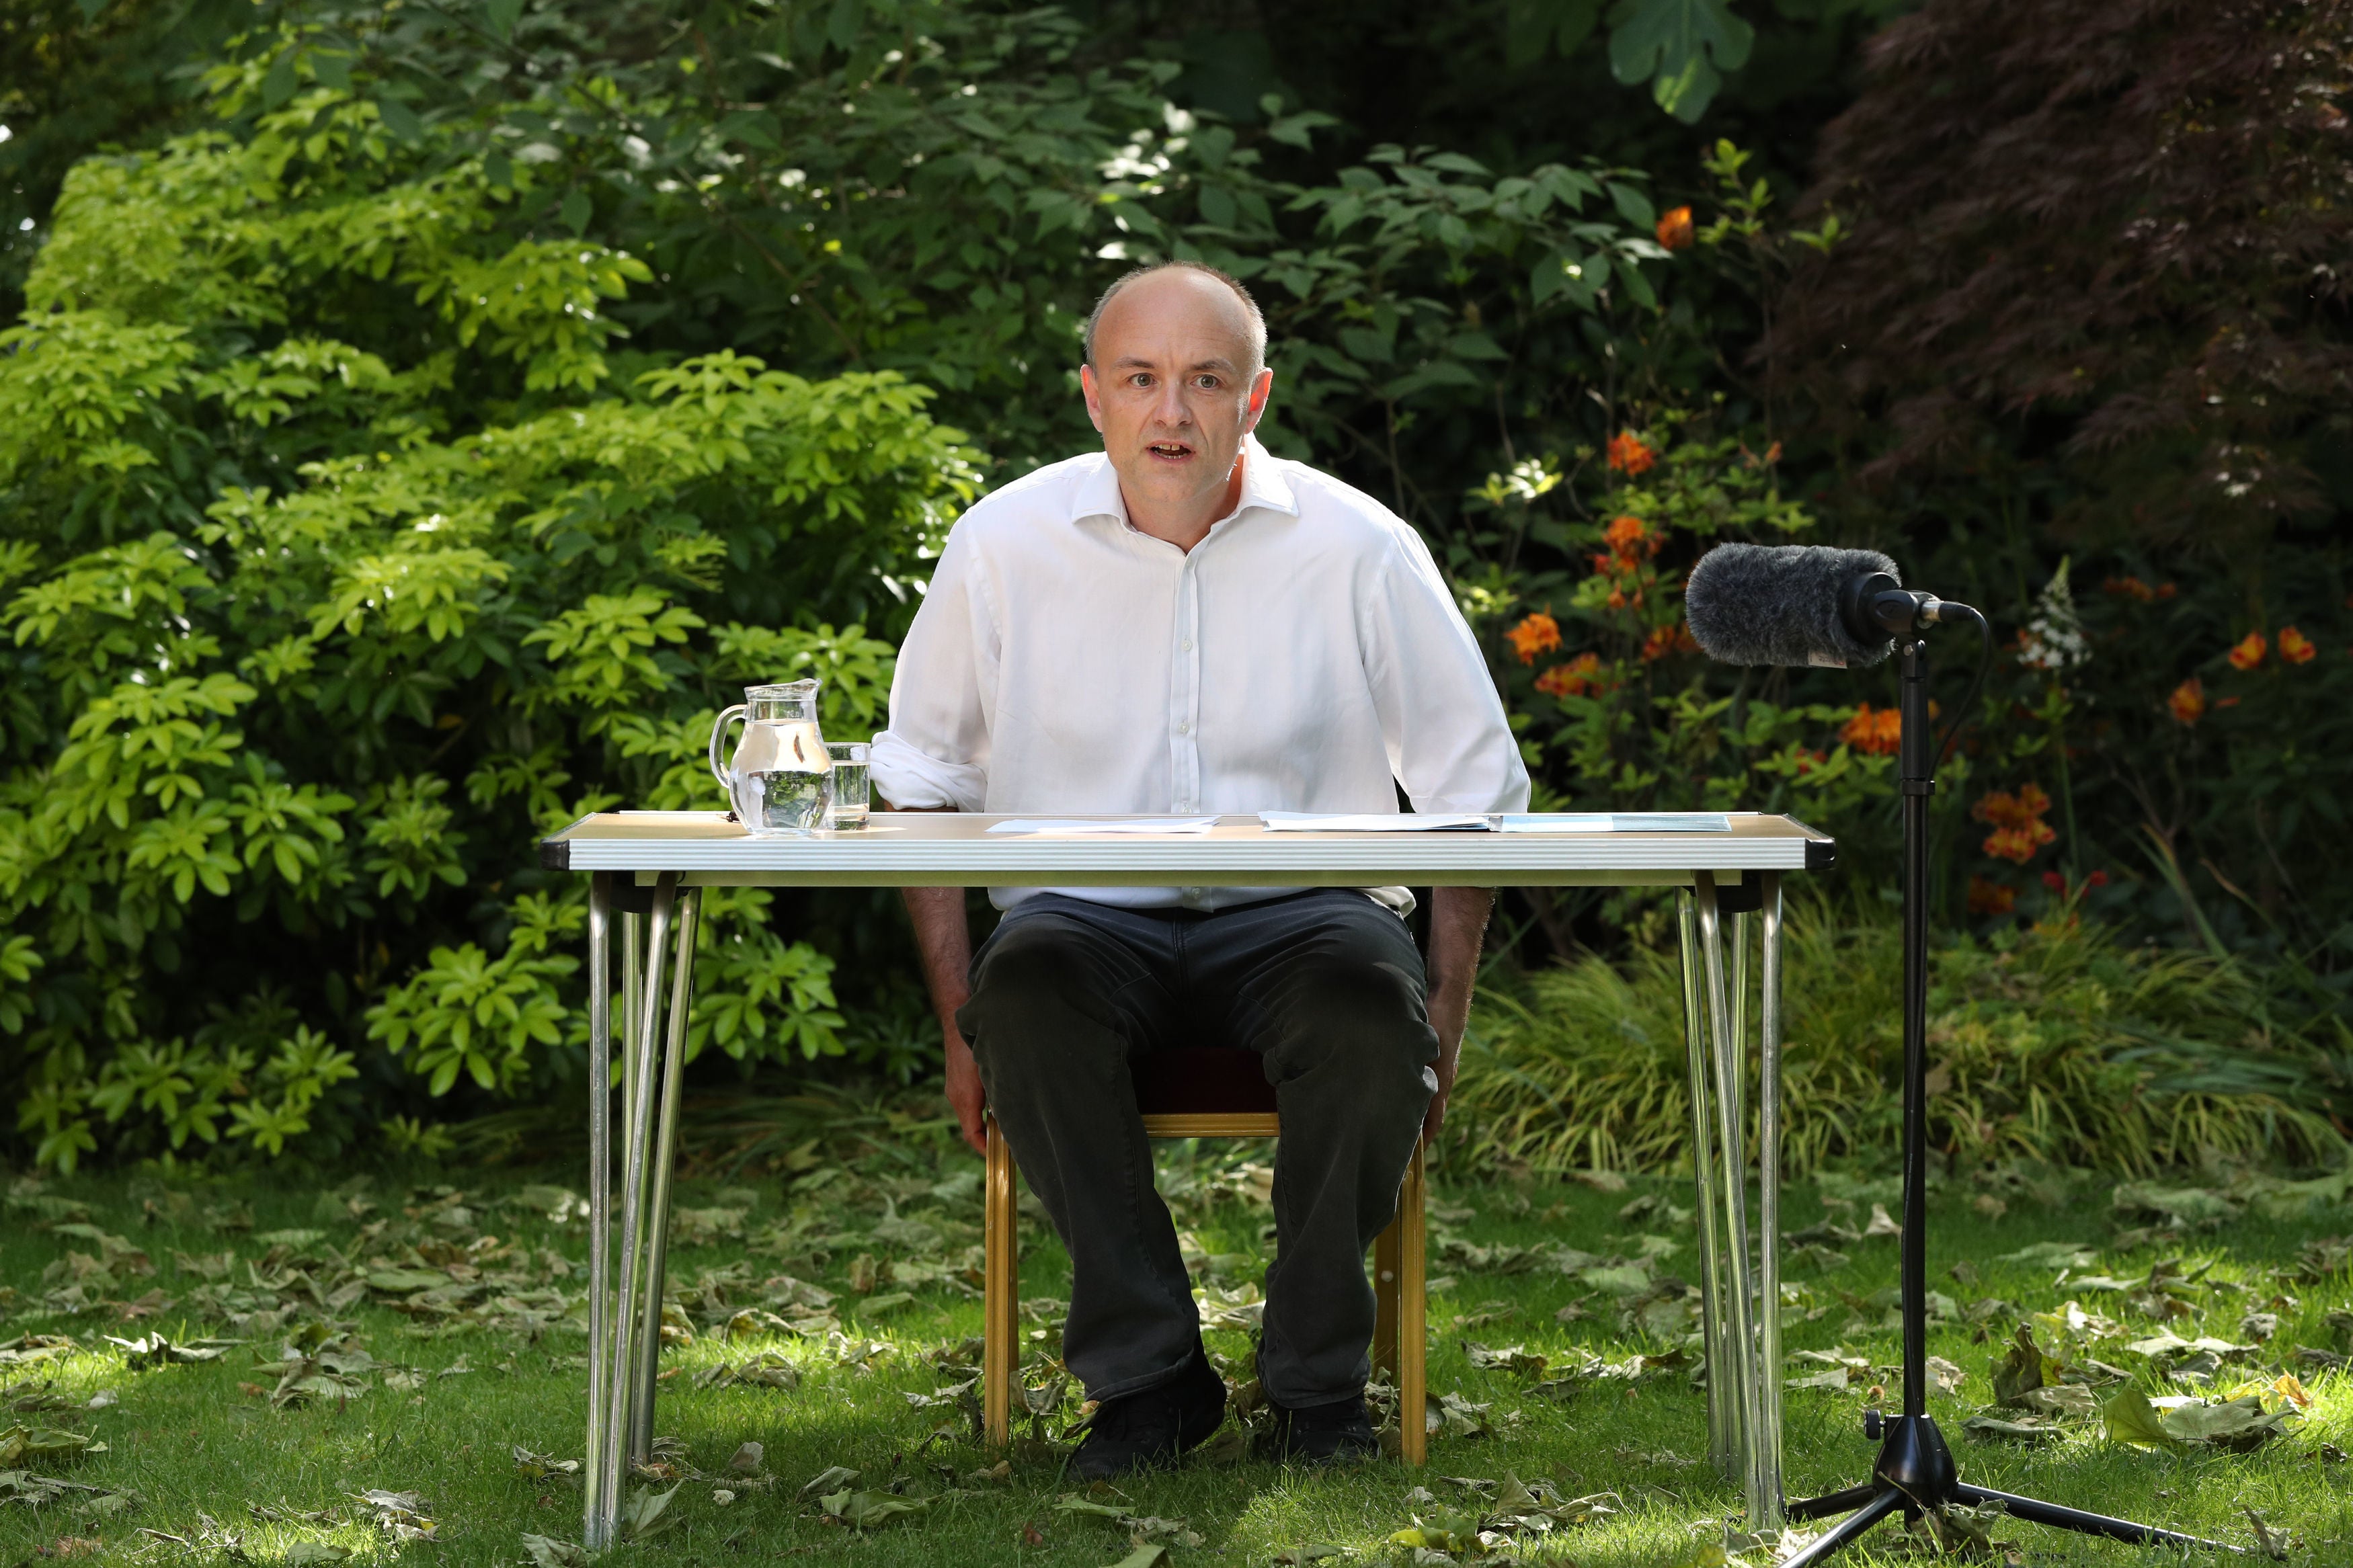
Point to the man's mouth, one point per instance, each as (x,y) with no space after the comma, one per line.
(1169,451)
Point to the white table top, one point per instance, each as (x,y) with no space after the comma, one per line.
(955,848)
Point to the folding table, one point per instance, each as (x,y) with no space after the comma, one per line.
(647,866)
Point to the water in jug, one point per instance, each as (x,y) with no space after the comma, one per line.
(781,781)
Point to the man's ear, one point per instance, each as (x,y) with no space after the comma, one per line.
(1261,384)
(1093,393)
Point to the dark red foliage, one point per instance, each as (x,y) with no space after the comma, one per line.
(2107,236)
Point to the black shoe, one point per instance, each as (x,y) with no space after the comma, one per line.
(1154,1427)
(1337,1432)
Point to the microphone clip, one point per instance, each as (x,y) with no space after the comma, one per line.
(1872,605)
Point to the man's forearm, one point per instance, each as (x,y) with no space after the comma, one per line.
(943,937)
(1458,925)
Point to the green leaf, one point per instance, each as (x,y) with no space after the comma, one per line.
(577,210)
(2131,1418)
(841,25)
(1531,26)
(400,120)
(1680,47)
(277,84)
(503,15)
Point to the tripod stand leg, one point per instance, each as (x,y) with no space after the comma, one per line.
(2034,1510)
(1723,1443)
(1881,1505)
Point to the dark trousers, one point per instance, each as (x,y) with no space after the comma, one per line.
(1327,987)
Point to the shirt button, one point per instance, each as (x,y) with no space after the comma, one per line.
(1188,645)
(1184,729)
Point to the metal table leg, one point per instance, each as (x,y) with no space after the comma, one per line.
(597,1526)
(641,1023)
(641,1418)
(1722,1439)
(1730,1063)
(1768,1482)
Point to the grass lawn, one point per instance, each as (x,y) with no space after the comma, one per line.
(442,1323)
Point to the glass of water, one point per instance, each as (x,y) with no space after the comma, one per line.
(851,782)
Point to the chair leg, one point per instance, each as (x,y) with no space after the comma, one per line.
(1000,1309)
(1413,1318)
(1385,1295)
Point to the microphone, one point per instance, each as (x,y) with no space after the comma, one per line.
(1802,604)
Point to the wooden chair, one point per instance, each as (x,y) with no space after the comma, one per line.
(1208,1092)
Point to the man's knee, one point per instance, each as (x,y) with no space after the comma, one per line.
(1038,988)
(1365,1016)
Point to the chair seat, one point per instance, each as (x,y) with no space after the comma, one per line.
(1203,1080)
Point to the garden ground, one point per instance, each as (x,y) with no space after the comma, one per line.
(416,1337)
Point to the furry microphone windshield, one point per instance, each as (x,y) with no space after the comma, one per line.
(1757,604)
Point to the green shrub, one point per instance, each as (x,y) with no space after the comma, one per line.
(338,562)
(2054,1044)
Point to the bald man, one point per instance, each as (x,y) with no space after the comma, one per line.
(1183,623)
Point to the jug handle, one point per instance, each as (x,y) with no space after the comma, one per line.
(719,731)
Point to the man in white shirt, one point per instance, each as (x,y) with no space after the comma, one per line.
(1185,622)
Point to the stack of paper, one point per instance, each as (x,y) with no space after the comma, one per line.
(1115,825)
(1375,821)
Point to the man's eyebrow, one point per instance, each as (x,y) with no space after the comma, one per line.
(1216,363)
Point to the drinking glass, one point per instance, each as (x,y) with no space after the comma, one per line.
(851,782)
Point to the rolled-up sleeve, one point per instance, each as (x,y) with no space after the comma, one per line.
(935,755)
(1448,741)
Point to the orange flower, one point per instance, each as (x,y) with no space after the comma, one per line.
(1623,534)
(2019,829)
(1629,456)
(1664,641)
(2166,590)
(2019,844)
(1990,898)
(1575,679)
(1537,634)
(1880,732)
(2296,648)
(2188,702)
(2250,651)
(1675,229)
(2129,588)
(1809,760)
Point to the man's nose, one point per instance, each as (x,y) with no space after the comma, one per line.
(1169,408)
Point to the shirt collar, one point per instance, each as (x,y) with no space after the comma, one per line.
(1263,485)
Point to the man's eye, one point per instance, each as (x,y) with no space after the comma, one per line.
(1206,383)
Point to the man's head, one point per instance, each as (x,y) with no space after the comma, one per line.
(1175,376)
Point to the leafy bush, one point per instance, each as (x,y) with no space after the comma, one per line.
(341,561)
(2055,1043)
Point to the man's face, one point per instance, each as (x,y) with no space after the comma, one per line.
(1171,388)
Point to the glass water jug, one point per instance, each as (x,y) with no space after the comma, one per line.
(781,781)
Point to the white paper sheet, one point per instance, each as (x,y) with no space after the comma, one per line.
(1375,821)
(1619,822)
(1126,824)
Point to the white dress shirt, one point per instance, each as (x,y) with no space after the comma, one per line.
(1306,655)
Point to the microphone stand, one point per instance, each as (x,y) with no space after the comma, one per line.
(1915,1470)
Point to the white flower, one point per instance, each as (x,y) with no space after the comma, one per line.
(2053,638)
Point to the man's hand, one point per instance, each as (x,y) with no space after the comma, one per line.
(1458,921)
(965,1096)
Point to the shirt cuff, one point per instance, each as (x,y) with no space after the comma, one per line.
(907,776)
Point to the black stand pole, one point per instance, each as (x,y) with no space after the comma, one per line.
(1915,1470)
